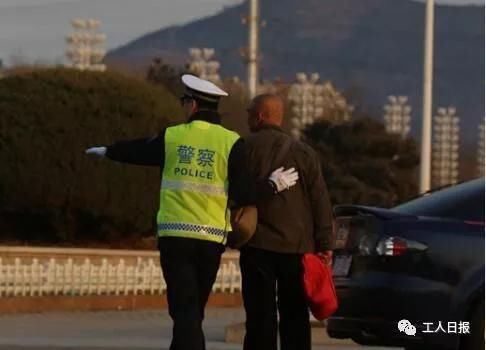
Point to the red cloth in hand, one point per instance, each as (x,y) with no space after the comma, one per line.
(319,287)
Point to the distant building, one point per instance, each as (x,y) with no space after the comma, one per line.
(480,153)
(312,101)
(445,148)
(86,47)
(203,64)
(397,115)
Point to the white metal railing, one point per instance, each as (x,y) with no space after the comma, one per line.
(78,272)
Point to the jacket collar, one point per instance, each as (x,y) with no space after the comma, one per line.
(271,127)
(212,117)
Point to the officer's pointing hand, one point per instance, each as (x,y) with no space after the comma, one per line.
(99,151)
(284,179)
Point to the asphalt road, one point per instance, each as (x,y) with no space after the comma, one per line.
(122,330)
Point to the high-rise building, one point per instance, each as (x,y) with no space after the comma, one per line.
(203,64)
(86,47)
(445,147)
(312,101)
(480,154)
(397,115)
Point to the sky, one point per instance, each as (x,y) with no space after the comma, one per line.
(34,30)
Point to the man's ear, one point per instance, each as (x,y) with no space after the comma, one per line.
(260,118)
(194,106)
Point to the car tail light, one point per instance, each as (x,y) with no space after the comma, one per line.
(396,246)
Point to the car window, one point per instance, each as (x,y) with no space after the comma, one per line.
(462,202)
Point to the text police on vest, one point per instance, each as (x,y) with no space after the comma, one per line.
(194,173)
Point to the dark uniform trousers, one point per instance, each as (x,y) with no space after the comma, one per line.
(189,267)
(267,277)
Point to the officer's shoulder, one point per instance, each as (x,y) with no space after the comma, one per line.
(173,126)
(229,131)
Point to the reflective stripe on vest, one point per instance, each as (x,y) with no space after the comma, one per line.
(194,187)
(199,229)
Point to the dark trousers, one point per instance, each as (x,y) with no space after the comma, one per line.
(270,281)
(189,267)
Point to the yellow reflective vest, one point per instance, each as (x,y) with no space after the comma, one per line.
(194,188)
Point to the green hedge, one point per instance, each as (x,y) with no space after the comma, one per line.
(50,191)
(363,164)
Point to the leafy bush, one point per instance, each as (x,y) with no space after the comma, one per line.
(362,164)
(50,191)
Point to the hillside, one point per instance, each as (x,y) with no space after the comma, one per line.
(372,47)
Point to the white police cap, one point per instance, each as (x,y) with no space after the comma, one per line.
(202,89)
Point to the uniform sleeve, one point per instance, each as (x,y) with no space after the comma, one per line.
(321,207)
(146,151)
(244,188)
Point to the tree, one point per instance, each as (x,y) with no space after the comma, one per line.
(50,191)
(362,164)
(160,73)
(233,108)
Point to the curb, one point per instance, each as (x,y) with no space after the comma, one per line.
(15,305)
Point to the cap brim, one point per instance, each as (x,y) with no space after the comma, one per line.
(201,86)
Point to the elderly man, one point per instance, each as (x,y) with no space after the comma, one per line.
(290,224)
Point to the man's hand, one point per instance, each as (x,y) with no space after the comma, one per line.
(99,151)
(326,257)
(284,179)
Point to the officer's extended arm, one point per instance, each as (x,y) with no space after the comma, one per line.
(146,151)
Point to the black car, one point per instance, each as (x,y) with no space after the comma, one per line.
(421,262)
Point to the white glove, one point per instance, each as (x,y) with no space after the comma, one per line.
(99,151)
(284,179)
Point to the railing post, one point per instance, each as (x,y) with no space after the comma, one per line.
(104,283)
(52,276)
(150,276)
(126,284)
(36,281)
(119,275)
(3,277)
(17,274)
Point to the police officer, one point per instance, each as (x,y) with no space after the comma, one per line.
(202,163)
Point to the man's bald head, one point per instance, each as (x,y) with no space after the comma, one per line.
(266,109)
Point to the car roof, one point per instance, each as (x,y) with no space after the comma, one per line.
(450,200)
